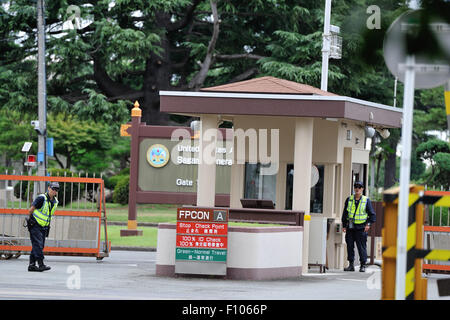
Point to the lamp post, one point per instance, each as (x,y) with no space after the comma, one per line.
(331,45)
(326,45)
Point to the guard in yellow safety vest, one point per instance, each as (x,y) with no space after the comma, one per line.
(41,212)
(357,217)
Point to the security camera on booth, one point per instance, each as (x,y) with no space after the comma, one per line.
(35,125)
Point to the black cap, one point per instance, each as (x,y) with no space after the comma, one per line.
(358,184)
(54,186)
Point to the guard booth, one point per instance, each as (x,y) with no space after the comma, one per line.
(296,145)
(78,227)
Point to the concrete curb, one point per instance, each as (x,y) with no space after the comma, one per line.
(140,224)
(120,248)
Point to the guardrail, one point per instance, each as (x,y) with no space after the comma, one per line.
(76,227)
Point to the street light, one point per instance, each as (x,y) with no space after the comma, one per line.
(331,45)
(335,43)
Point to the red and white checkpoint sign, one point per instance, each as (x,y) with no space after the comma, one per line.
(200,241)
(202,238)
(218,229)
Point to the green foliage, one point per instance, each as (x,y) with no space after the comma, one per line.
(111,182)
(443,169)
(433,119)
(121,191)
(437,152)
(97,108)
(429,115)
(82,142)
(427,150)
(15,129)
(131,49)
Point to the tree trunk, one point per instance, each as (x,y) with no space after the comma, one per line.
(390,164)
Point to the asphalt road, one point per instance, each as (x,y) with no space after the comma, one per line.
(130,275)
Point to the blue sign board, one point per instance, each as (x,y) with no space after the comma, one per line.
(50,147)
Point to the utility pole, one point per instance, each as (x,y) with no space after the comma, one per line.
(42,93)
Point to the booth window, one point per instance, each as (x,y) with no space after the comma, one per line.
(316,200)
(258,186)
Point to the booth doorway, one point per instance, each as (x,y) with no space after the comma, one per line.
(359,173)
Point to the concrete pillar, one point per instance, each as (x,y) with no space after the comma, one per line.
(206,187)
(347,177)
(302,176)
(329,191)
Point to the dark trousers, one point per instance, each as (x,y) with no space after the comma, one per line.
(37,236)
(360,237)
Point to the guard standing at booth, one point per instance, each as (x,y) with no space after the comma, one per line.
(38,223)
(357,217)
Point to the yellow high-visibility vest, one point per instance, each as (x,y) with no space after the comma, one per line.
(43,215)
(358,215)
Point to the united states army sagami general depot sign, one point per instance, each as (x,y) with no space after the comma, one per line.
(201,241)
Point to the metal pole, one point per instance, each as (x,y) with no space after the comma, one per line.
(42,94)
(326,46)
(395,92)
(403,204)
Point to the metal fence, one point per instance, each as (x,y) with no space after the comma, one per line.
(437,229)
(437,216)
(76,227)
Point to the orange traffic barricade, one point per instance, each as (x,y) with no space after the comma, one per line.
(76,227)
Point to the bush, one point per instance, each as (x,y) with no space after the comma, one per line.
(121,191)
(125,171)
(111,182)
(22,193)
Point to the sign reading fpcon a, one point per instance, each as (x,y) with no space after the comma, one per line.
(201,241)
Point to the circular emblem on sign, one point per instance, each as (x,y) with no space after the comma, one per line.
(158,155)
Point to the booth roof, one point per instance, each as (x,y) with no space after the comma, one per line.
(269,85)
(269,96)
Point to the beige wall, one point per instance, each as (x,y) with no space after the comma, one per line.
(286,128)
(329,141)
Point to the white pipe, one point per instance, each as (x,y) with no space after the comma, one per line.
(405,165)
